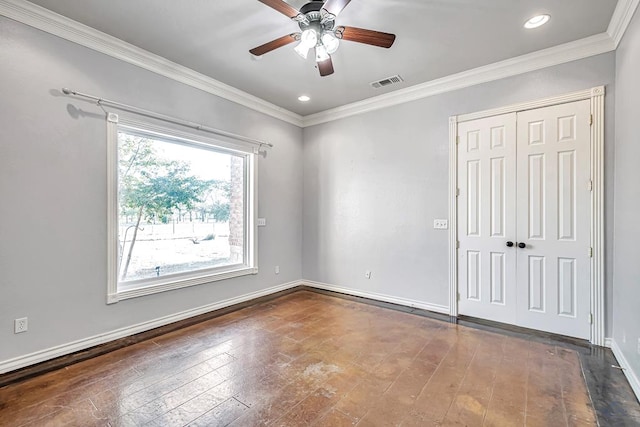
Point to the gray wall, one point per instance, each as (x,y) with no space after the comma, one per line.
(372,186)
(53,191)
(374,183)
(626,279)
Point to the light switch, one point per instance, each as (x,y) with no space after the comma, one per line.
(440,224)
(262,222)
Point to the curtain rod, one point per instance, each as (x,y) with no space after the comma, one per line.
(163,117)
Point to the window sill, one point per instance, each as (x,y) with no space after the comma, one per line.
(178,283)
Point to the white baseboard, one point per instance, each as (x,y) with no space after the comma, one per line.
(626,368)
(82,344)
(608,342)
(378,297)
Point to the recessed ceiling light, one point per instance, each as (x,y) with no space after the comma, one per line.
(537,21)
(303,98)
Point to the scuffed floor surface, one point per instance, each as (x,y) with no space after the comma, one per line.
(312,359)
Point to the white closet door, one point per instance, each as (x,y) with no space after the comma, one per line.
(486,218)
(553,219)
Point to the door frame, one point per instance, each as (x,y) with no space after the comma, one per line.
(596,96)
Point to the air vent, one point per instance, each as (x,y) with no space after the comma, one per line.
(387,82)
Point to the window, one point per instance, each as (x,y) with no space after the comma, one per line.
(181,209)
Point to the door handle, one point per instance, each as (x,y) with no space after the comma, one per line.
(509,244)
(522,245)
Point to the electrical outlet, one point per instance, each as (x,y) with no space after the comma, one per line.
(277,269)
(262,222)
(440,224)
(20,325)
(367,274)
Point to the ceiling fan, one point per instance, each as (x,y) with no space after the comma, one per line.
(317,22)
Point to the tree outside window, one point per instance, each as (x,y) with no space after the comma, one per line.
(181,207)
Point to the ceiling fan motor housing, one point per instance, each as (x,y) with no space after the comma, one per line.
(315,18)
(312,6)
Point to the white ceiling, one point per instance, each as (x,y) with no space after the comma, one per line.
(435,38)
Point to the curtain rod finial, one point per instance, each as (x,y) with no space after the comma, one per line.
(66,91)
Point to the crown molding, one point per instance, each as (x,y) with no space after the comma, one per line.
(621,18)
(68,29)
(579,49)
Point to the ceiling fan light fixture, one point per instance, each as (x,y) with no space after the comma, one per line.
(308,39)
(537,21)
(321,53)
(330,42)
(302,50)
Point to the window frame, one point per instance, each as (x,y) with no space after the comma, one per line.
(194,139)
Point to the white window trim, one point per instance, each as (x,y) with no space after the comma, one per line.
(193,278)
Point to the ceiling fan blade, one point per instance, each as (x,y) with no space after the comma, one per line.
(334,7)
(274,44)
(360,35)
(281,7)
(325,67)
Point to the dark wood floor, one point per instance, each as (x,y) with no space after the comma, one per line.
(312,359)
